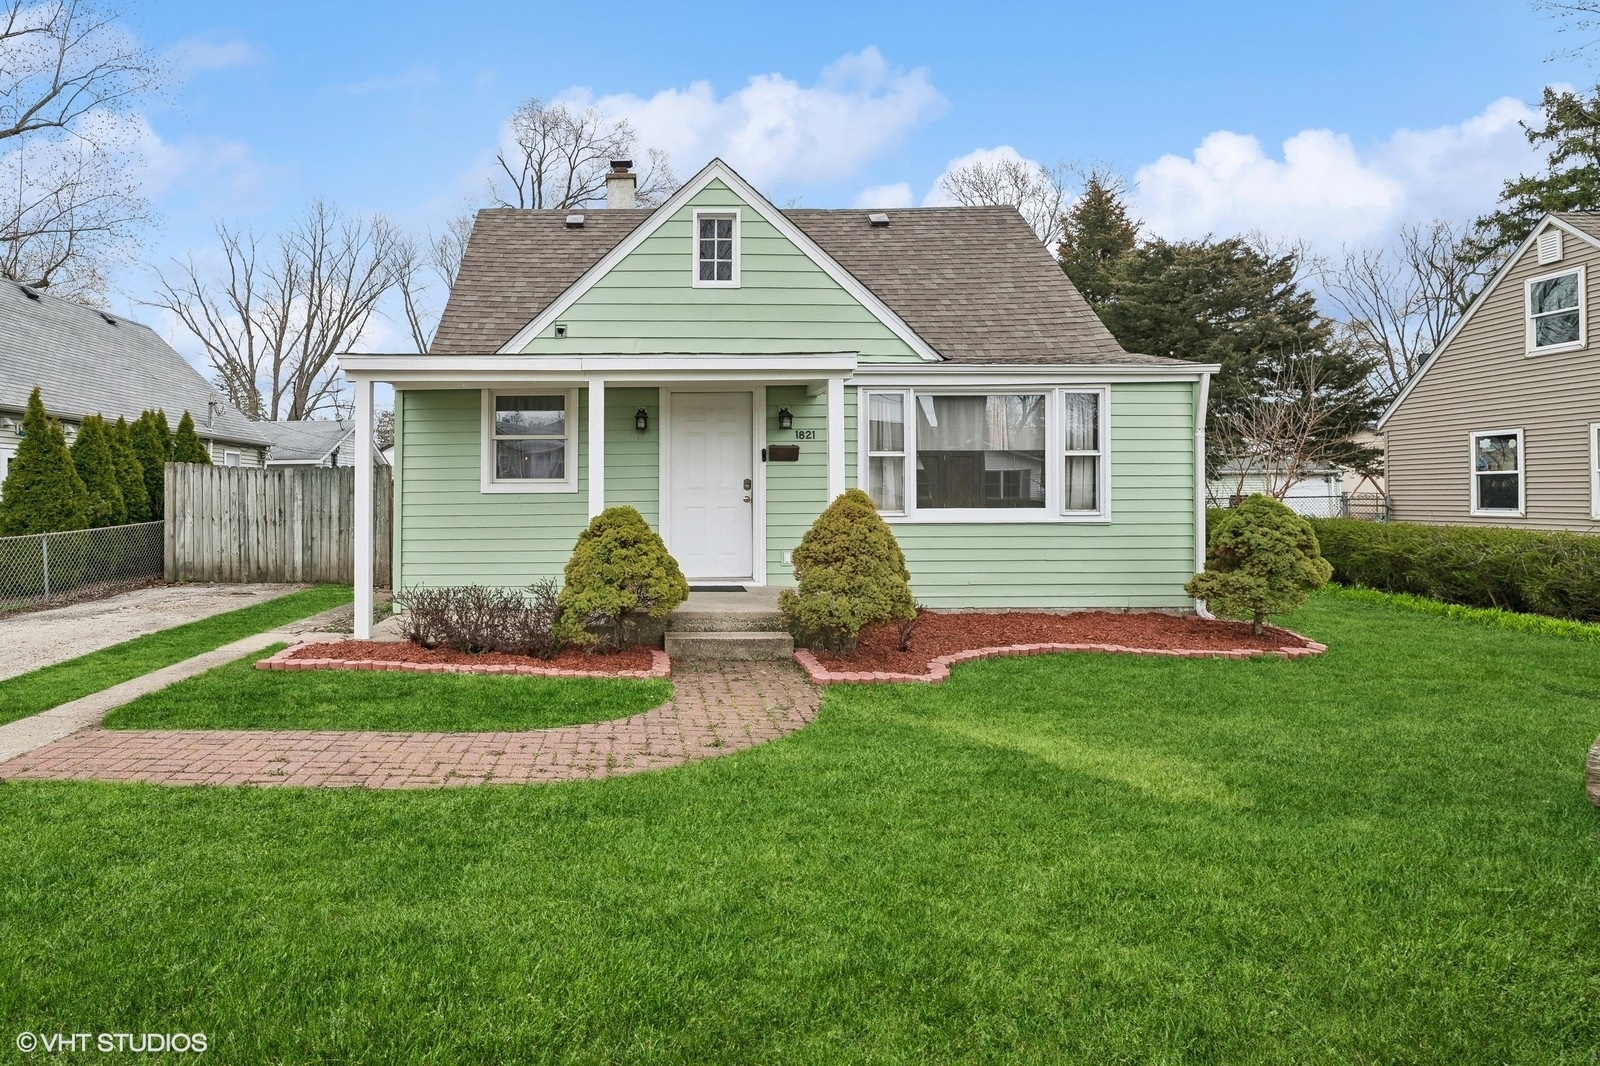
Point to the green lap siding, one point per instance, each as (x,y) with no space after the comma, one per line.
(798,491)
(784,303)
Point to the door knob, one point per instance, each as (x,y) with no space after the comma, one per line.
(747,499)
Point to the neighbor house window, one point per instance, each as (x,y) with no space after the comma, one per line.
(716,258)
(947,456)
(1556,311)
(1594,469)
(230,458)
(530,441)
(1497,472)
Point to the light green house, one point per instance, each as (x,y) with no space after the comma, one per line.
(728,368)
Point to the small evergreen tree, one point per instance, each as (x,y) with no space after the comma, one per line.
(1263,559)
(91,454)
(1096,234)
(619,568)
(43,492)
(151,449)
(850,573)
(158,419)
(186,446)
(130,474)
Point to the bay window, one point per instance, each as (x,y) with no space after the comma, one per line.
(947,455)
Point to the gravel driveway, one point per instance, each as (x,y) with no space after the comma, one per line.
(39,638)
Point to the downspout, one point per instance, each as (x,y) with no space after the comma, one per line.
(1200,487)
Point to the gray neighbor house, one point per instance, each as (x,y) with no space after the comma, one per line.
(1502,426)
(87,362)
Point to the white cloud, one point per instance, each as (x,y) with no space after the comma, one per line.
(226,171)
(196,54)
(1325,189)
(414,80)
(775,130)
(897,195)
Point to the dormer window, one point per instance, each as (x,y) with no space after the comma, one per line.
(716,259)
(1556,312)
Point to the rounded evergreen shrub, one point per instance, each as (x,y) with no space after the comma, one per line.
(620,569)
(43,492)
(849,573)
(1263,559)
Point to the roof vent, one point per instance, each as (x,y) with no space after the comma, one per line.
(1550,246)
(878,218)
(108,319)
(29,293)
(574,221)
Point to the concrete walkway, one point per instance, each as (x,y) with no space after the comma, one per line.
(717,708)
(35,639)
(28,734)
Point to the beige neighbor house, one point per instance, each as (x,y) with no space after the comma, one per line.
(1502,426)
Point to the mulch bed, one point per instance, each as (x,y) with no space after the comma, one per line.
(945,637)
(403,655)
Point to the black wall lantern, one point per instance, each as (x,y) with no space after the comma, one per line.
(641,420)
(785,419)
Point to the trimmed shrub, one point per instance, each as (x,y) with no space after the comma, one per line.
(620,569)
(92,456)
(849,573)
(186,446)
(1529,571)
(130,475)
(477,619)
(43,492)
(1262,559)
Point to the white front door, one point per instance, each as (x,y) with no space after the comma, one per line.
(709,503)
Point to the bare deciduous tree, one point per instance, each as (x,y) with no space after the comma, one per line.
(420,264)
(558,158)
(68,74)
(1397,303)
(1039,192)
(1581,17)
(1296,421)
(272,324)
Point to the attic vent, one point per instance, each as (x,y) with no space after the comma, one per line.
(1550,246)
(29,293)
(878,218)
(574,221)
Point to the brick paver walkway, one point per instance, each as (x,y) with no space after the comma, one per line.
(717,708)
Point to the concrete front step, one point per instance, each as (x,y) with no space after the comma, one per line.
(689,621)
(727,645)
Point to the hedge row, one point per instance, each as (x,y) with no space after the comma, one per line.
(1554,574)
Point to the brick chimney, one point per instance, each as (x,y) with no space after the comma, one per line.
(621,183)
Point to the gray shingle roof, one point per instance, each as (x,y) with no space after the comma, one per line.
(974,282)
(1587,221)
(304,442)
(85,362)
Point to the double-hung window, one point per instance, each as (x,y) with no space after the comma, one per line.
(995,456)
(1556,313)
(1497,472)
(716,249)
(1594,469)
(529,442)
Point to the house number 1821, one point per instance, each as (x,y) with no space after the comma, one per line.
(805,434)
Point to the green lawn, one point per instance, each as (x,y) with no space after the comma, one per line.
(238,696)
(52,686)
(1382,855)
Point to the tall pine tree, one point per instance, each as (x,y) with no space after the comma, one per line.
(130,474)
(91,454)
(43,492)
(1096,234)
(186,446)
(153,453)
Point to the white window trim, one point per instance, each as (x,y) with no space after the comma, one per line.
(1054,511)
(1594,470)
(1521,472)
(487,480)
(1583,312)
(232,458)
(694,247)
(907,453)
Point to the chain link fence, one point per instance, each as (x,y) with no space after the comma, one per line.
(52,568)
(1372,506)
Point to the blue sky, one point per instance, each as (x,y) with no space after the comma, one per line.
(1332,121)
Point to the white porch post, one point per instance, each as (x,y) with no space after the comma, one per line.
(597,446)
(363,505)
(835,438)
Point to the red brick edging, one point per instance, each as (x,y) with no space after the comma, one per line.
(939,669)
(660,666)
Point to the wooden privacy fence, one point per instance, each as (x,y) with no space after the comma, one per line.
(285,523)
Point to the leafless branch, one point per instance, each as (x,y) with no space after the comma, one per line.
(1038,192)
(559,156)
(421,266)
